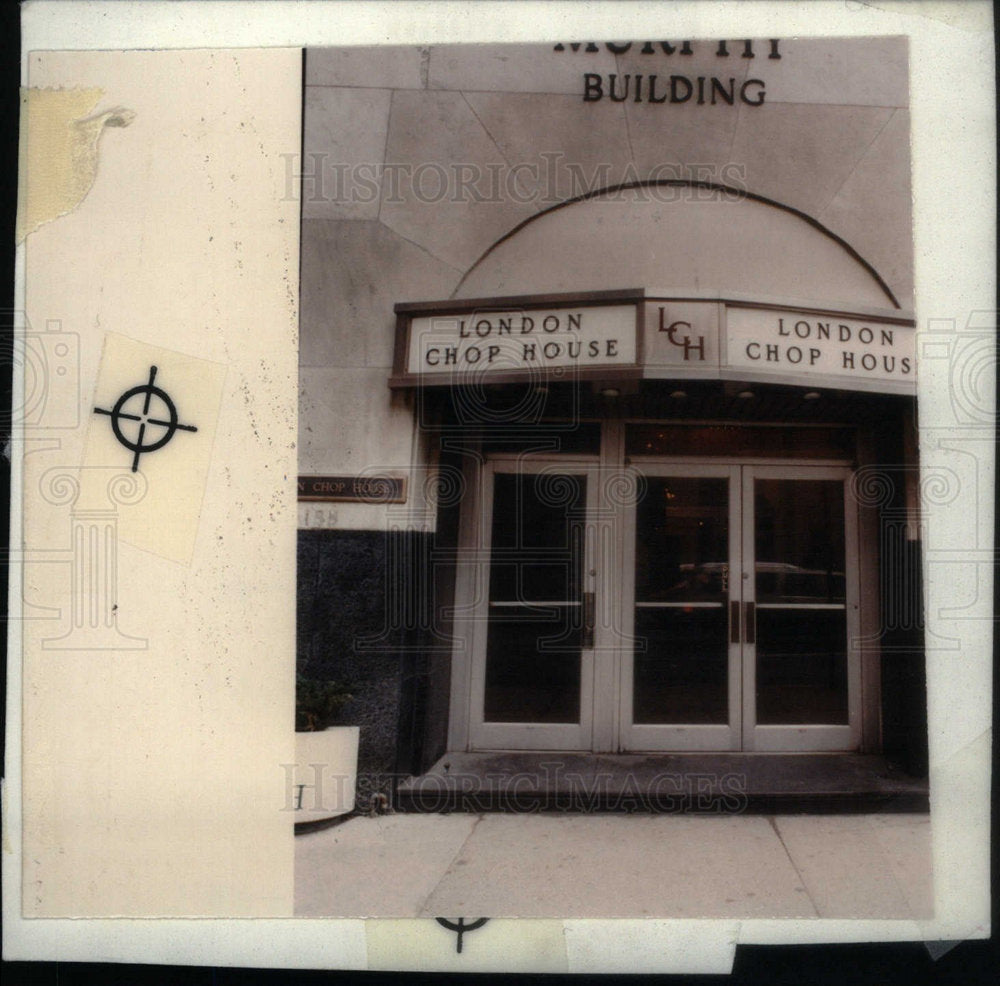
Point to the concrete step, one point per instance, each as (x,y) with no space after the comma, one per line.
(709,783)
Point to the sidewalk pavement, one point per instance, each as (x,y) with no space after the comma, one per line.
(616,866)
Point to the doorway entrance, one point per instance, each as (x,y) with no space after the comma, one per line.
(663,604)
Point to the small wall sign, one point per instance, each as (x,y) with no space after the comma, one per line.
(352,489)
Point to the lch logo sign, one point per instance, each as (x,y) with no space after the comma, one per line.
(685,342)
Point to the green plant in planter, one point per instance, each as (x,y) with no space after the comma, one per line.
(318,703)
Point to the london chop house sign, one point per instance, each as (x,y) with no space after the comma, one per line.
(632,333)
(524,339)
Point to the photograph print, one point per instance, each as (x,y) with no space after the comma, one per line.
(609,590)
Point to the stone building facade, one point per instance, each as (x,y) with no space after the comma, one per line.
(711,241)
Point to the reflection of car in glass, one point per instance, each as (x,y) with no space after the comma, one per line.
(776,582)
(690,582)
(781,582)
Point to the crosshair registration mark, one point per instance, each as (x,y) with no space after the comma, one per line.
(156,420)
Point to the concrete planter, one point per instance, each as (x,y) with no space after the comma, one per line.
(325,775)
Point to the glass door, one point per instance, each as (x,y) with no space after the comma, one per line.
(724,614)
(681,688)
(740,599)
(535,607)
(801,669)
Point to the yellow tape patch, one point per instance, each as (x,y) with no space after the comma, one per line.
(58,151)
(155,413)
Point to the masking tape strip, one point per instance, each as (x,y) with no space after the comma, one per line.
(500,945)
(57,155)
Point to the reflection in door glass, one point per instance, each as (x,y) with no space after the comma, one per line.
(801,601)
(535,598)
(681,588)
(799,538)
(801,666)
(533,665)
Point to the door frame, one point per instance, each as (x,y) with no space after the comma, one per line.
(484,735)
(637,737)
(818,737)
(610,666)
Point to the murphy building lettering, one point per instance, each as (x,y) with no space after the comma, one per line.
(663,85)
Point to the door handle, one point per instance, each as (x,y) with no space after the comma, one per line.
(734,621)
(751,623)
(589,619)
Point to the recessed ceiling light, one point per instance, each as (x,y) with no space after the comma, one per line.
(811,395)
(679,395)
(610,392)
(745,395)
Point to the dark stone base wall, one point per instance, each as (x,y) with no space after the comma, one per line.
(357,624)
(904,678)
